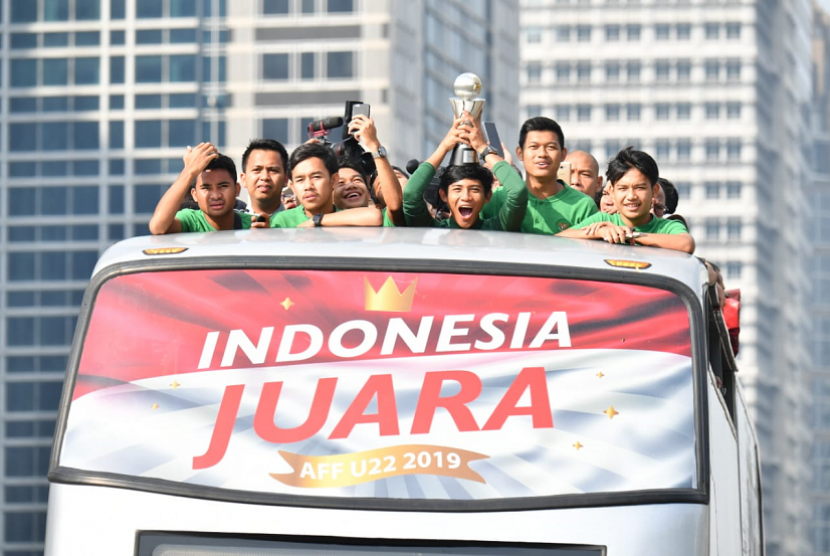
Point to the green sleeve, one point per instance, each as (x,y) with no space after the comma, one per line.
(593,219)
(491,209)
(192,220)
(246,220)
(671,227)
(387,222)
(289,218)
(586,208)
(512,211)
(414,207)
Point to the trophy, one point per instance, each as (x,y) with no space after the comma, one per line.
(467,87)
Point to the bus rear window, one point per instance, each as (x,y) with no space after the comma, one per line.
(415,386)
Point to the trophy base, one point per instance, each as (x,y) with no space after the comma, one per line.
(463,154)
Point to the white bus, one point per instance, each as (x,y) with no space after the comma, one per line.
(401,391)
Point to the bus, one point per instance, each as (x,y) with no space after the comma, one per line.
(401,391)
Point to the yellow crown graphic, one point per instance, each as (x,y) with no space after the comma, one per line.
(389,298)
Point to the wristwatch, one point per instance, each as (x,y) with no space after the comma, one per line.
(380,153)
(318,220)
(487,150)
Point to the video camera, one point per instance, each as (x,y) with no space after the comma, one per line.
(348,147)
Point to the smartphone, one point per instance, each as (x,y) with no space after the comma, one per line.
(361,110)
(492,136)
(261,218)
(564,173)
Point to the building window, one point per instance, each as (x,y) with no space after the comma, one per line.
(583,72)
(633,32)
(583,112)
(274,7)
(612,72)
(276,128)
(712,149)
(563,33)
(684,71)
(733,149)
(684,190)
(340,6)
(733,229)
(733,70)
(612,147)
(534,72)
(583,33)
(662,149)
(563,112)
(23,11)
(712,31)
(275,67)
(55,72)
(612,33)
(712,110)
(713,229)
(307,64)
(733,110)
(734,270)
(712,68)
(733,189)
(662,70)
(23,72)
(733,31)
(683,31)
(662,32)
(340,65)
(684,111)
(712,189)
(633,112)
(612,112)
(534,110)
(684,150)
(147,69)
(633,72)
(563,72)
(87,71)
(661,111)
(533,35)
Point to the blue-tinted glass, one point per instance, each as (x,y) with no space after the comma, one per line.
(21,266)
(115,232)
(87,103)
(207,69)
(340,6)
(307,65)
(116,140)
(23,72)
(22,170)
(45,429)
(274,7)
(148,8)
(145,102)
(117,9)
(275,128)
(21,234)
(275,66)
(215,136)
(54,136)
(182,36)
(54,168)
(116,167)
(145,166)
(85,135)
(117,37)
(85,167)
(340,65)
(181,133)
(147,134)
(88,38)
(52,333)
(21,363)
(148,69)
(53,200)
(55,10)
(207,8)
(308,6)
(55,104)
(82,264)
(87,71)
(23,11)
(55,40)
(19,429)
(116,201)
(22,137)
(53,298)
(53,264)
(87,9)
(173,165)
(20,299)
(116,102)
(76,297)
(53,233)
(182,68)
(86,232)
(182,100)
(183,8)
(55,71)
(53,363)
(23,40)
(22,104)
(20,331)
(22,200)
(20,461)
(117,69)
(145,197)
(148,36)
(85,201)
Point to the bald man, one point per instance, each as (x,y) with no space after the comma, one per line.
(584,173)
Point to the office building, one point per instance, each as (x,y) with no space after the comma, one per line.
(719,93)
(99,99)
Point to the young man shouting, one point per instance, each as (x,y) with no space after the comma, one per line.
(632,177)
(466,188)
(314,172)
(211,178)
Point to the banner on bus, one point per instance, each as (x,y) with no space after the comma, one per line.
(425,386)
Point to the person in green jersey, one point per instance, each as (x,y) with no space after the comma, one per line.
(632,178)
(552,205)
(211,178)
(466,188)
(314,172)
(264,165)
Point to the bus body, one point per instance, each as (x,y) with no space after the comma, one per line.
(395,391)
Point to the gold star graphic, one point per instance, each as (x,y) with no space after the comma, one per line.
(578,446)
(287,303)
(155,406)
(611,412)
(174,385)
(600,374)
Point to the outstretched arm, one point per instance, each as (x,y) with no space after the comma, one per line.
(363,128)
(196,160)
(361,216)
(678,242)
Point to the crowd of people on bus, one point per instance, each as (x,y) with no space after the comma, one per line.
(314,187)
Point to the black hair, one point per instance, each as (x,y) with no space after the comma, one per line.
(455,174)
(264,145)
(313,150)
(540,123)
(221,162)
(627,159)
(671,194)
(351,163)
